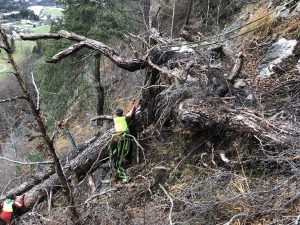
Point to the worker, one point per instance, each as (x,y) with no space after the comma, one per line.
(121,147)
(7,206)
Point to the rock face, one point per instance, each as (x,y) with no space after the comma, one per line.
(280,50)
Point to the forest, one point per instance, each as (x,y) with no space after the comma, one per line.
(214,136)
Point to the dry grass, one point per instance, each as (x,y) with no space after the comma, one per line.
(259,25)
(290,27)
(81,131)
(61,145)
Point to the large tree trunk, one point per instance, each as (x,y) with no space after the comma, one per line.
(35,190)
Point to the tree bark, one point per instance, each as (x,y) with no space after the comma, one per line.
(187,20)
(78,167)
(99,88)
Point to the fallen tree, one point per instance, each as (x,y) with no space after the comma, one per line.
(77,167)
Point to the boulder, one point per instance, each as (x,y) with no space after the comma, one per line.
(280,50)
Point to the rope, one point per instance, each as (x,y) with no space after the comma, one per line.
(121,151)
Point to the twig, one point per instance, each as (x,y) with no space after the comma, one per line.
(154,86)
(25,163)
(17,178)
(53,136)
(171,201)
(138,144)
(37,92)
(234,218)
(92,183)
(98,194)
(12,99)
(39,215)
(139,38)
(104,117)
(297,220)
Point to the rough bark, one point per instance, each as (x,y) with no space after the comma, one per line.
(31,182)
(77,167)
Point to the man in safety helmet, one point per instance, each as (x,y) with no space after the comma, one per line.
(7,206)
(120,146)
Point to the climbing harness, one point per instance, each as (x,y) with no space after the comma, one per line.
(122,149)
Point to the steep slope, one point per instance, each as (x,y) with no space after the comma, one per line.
(221,142)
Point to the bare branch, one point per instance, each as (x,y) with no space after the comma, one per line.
(65,53)
(25,163)
(13,99)
(234,218)
(37,92)
(130,65)
(103,117)
(297,220)
(98,194)
(171,201)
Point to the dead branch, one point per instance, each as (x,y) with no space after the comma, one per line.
(80,165)
(237,67)
(98,194)
(68,51)
(130,65)
(103,117)
(171,201)
(37,92)
(234,218)
(26,163)
(31,182)
(13,99)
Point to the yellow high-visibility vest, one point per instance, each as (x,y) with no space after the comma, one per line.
(120,124)
(8,205)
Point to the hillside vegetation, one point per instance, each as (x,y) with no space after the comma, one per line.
(218,89)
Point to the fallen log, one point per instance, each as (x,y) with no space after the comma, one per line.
(77,166)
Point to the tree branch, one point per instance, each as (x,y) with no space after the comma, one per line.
(65,53)
(171,201)
(13,99)
(130,65)
(103,117)
(25,163)
(37,92)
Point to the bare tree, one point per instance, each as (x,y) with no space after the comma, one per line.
(41,126)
